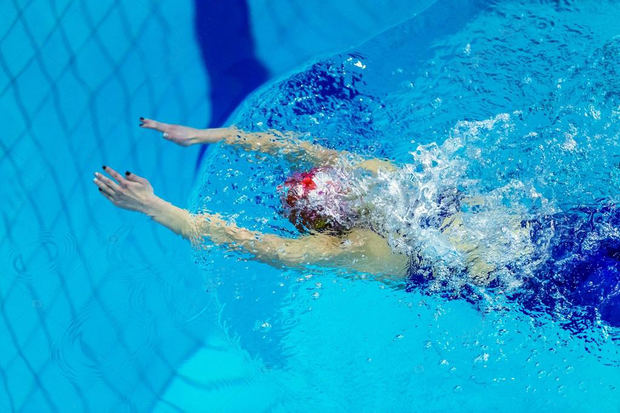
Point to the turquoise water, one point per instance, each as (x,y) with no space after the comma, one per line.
(85,324)
(103,311)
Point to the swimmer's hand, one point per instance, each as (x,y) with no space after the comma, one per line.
(185,135)
(130,192)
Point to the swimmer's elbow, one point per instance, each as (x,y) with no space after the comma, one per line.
(309,250)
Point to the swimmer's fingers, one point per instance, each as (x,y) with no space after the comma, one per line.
(153,124)
(106,183)
(135,178)
(107,195)
(122,182)
(170,131)
(103,186)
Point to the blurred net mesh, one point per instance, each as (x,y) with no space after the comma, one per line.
(97,307)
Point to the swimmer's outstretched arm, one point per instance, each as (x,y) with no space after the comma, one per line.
(360,251)
(272,142)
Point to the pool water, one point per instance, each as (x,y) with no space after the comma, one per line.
(101,310)
(517,103)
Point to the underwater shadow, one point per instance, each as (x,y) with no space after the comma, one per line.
(223,33)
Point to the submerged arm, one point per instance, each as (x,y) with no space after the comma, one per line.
(361,251)
(280,144)
(272,142)
(268,248)
(277,143)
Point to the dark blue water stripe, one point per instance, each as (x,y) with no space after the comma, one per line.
(227,48)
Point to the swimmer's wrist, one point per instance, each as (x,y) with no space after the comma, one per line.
(154,206)
(174,218)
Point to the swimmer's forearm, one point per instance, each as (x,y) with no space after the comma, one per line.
(268,248)
(213,135)
(195,227)
(272,142)
(280,144)
(191,226)
(233,136)
(178,220)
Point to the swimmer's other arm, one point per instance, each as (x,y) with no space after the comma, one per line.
(359,250)
(272,142)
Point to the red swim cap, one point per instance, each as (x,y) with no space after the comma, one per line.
(304,215)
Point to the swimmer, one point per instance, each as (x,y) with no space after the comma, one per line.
(315,201)
(576,271)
